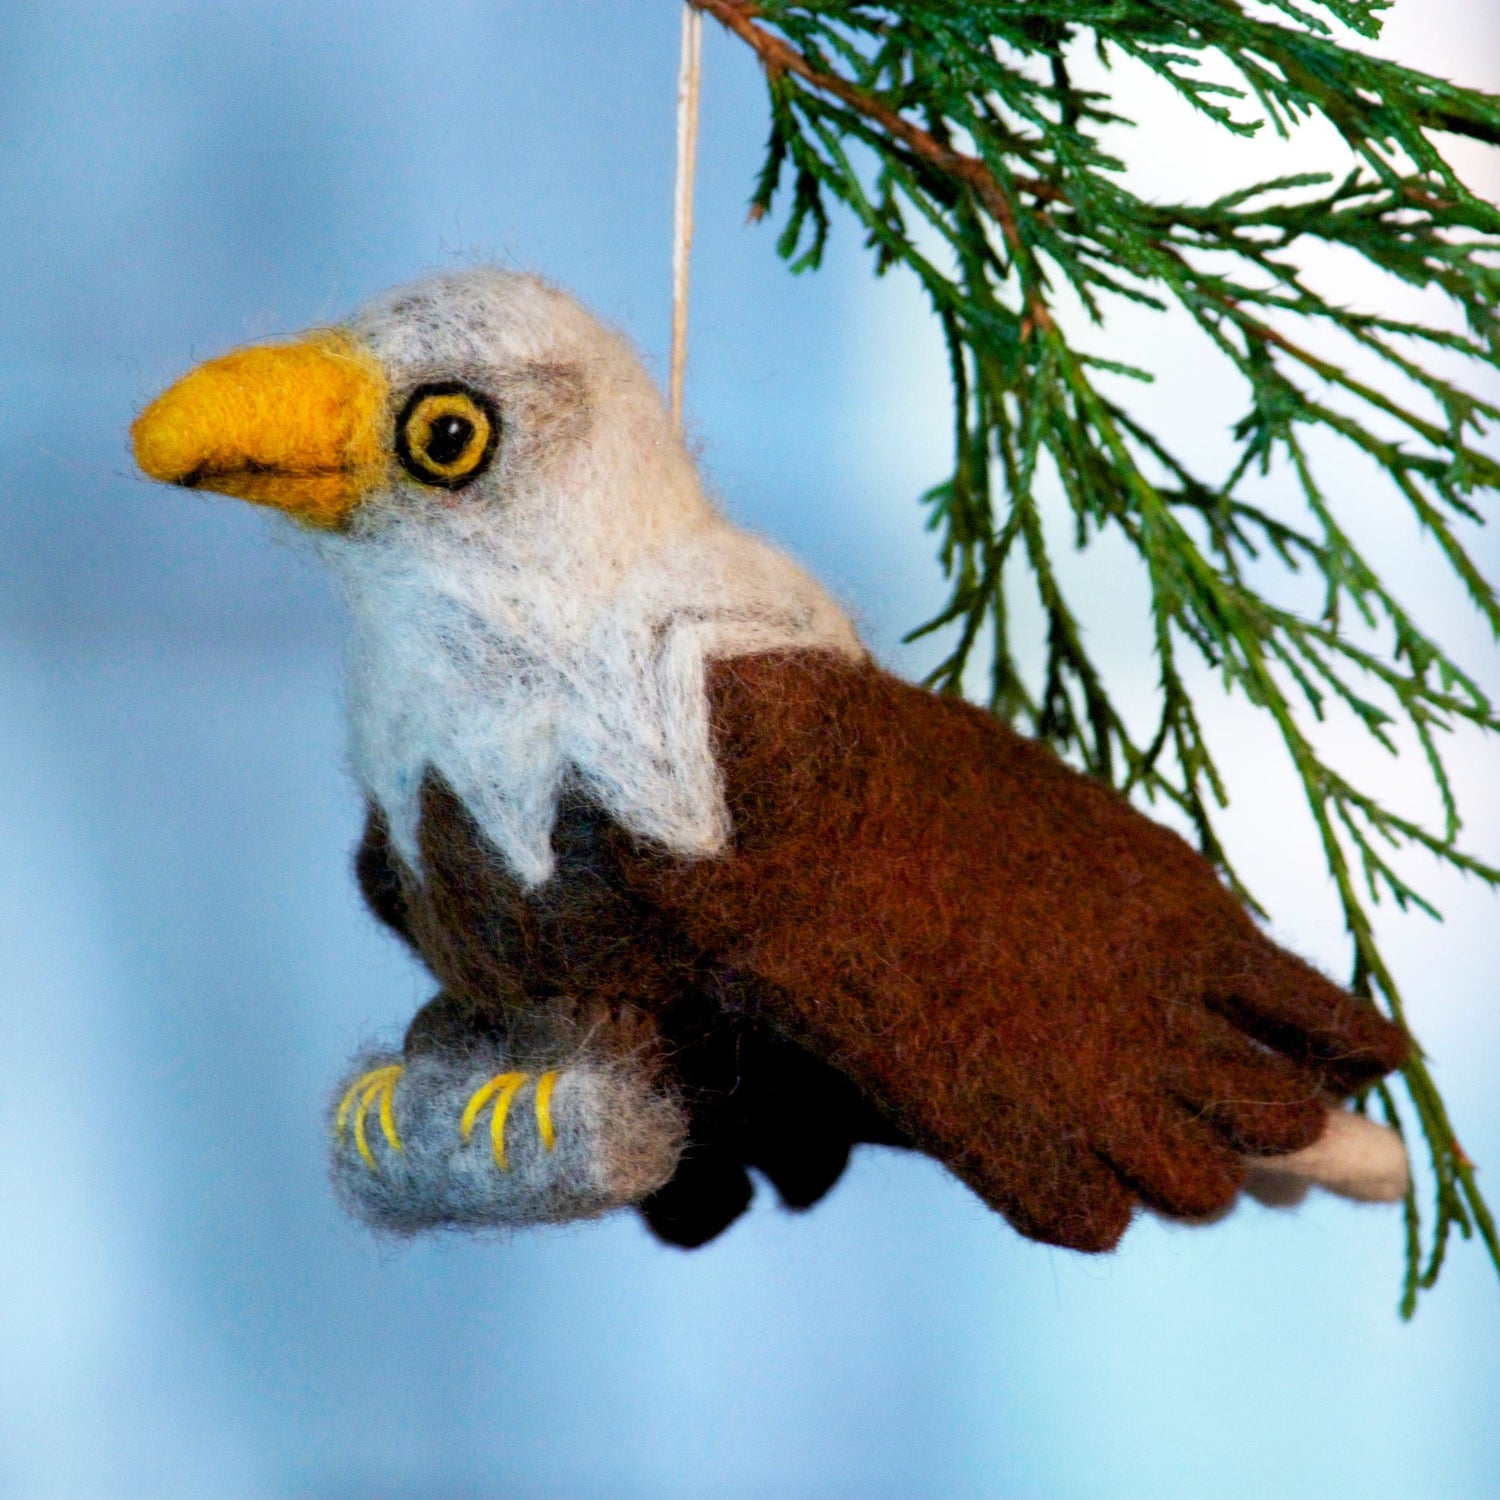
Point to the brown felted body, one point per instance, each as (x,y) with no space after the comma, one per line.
(926,930)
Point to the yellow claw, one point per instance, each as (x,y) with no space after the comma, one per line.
(544,1086)
(379,1083)
(503,1088)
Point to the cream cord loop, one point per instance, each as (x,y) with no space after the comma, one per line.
(688,73)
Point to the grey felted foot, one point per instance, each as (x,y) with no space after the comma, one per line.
(477,1139)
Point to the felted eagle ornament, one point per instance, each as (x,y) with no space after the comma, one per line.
(703,887)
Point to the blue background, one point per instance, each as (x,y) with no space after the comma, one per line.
(184,966)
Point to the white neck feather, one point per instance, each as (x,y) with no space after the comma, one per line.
(515,673)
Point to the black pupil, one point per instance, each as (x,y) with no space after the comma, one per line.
(448,438)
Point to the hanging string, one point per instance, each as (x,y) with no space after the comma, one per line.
(688,74)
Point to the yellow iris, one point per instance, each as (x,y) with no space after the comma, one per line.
(446,434)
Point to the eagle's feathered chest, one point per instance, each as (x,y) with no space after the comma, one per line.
(518,685)
(581,943)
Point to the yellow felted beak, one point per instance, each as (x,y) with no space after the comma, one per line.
(300,426)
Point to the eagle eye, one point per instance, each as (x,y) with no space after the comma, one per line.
(446,434)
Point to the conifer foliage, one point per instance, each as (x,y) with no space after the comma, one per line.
(954,133)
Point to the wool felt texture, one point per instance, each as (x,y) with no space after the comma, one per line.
(299,426)
(601,1138)
(1353,1157)
(638,794)
(582,961)
(1041,986)
(549,625)
(446,434)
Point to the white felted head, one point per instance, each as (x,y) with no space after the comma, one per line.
(549,620)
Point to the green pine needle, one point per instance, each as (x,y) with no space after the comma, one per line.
(959,124)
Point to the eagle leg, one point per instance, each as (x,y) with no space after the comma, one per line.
(707,1193)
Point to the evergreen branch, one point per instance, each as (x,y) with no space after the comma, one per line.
(956,138)
(778,57)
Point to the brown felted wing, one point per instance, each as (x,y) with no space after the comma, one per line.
(1048,991)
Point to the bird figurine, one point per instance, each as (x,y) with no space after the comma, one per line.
(703,888)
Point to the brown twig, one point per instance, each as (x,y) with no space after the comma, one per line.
(779,56)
